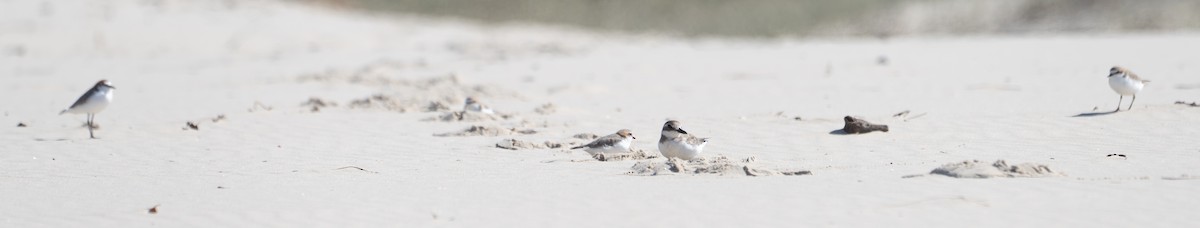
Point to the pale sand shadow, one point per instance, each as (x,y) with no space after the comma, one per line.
(1091,114)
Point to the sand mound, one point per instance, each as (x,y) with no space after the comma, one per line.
(586,136)
(1000,168)
(1182,177)
(316,104)
(636,155)
(755,171)
(465,116)
(546,109)
(513,144)
(406,94)
(393,77)
(487,131)
(380,101)
(715,165)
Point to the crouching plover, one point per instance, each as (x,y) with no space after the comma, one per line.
(475,106)
(677,143)
(615,143)
(93,101)
(1125,82)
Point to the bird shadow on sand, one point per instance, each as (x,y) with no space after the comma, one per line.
(1091,114)
(843,132)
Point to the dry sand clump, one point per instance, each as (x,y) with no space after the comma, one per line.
(385,77)
(385,102)
(316,104)
(1000,168)
(465,116)
(634,155)
(405,93)
(1182,177)
(487,131)
(719,165)
(586,136)
(513,144)
(546,109)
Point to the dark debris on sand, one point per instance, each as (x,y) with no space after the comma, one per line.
(859,126)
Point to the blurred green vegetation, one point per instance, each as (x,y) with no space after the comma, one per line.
(772,18)
(685,17)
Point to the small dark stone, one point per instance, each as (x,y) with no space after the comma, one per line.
(22,125)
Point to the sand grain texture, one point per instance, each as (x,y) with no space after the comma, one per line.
(274,163)
(1000,168)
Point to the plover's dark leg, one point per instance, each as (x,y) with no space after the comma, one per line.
(89,123)
(1131,102)
(1119,103)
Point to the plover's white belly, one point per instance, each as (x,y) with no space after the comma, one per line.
(479,108)
(1125,86)
(679,149)
(94,104)
(621,147)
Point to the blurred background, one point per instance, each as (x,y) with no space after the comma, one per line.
(794,18)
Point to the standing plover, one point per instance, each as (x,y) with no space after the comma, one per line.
(677,143)
(1125,82)
(615,143)
(93,101)
(475,106)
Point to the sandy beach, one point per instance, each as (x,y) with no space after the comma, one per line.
(309,116)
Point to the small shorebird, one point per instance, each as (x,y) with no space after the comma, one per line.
(1125,82)
(677,143)
(475,106)
(615,143)
(93,101)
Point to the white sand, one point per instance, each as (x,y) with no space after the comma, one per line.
(974,98)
